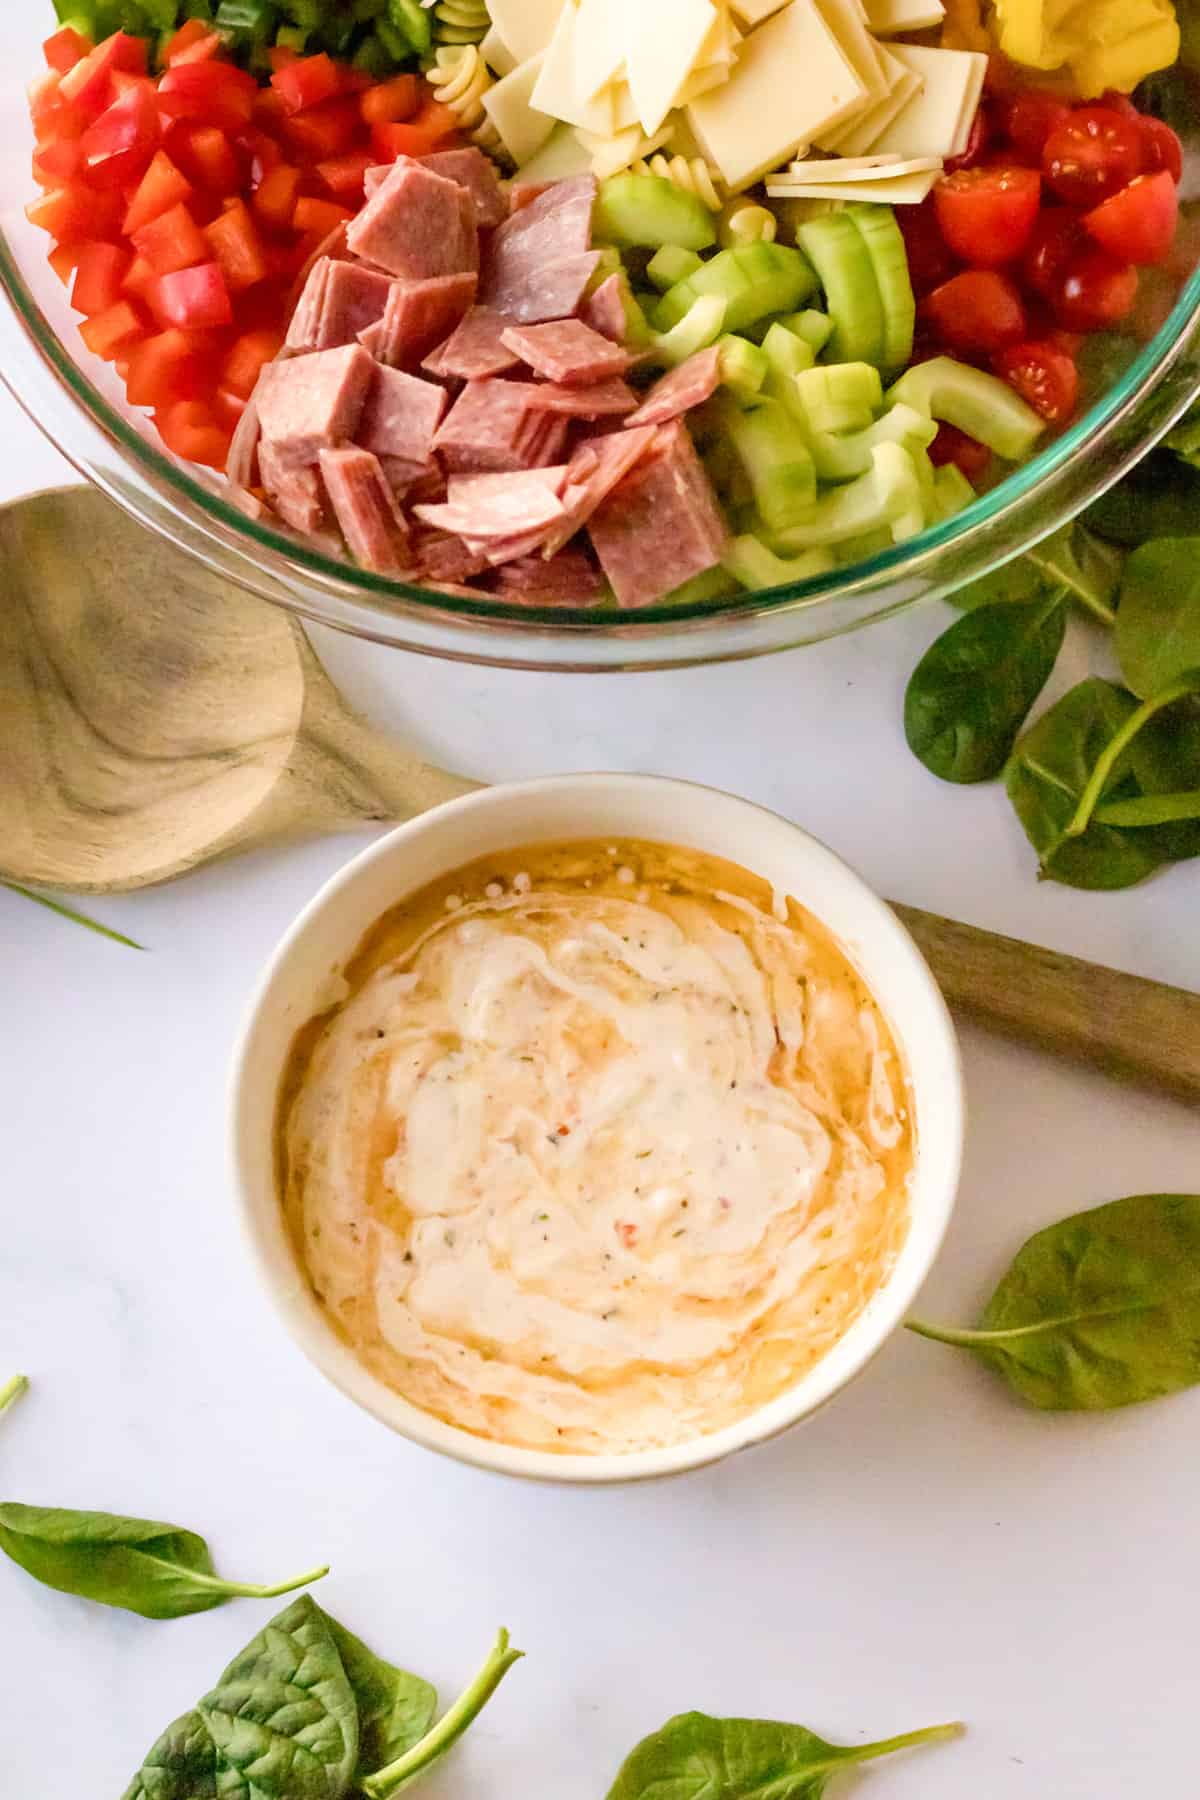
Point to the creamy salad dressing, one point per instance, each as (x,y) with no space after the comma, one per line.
(604,1147)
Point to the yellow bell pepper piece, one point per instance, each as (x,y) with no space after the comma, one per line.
(1102,43)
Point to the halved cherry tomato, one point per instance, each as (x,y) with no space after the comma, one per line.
(1117,102)
(929,261)
(1161,149)
(161,187)
(99,277)
(117,147)
(1137,225)
(73,213)
(343,175)
(207,157)
(1056,237)
(87,85)
(215,93)
(235,244)
(1029,119)
(307,82)
(1096,291)
(172,241)
(247,357)
(986,215)
(966,453)
(274,199)
(173,365)
(189,428)
(317,218)
(193,298)
(65,48)
(390,102)
(113,330)
(324,131)
(977,312)
(1093,154)
(1044,376)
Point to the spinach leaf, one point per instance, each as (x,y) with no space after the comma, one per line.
(1159,498)
(1157,636)
(146,1567)
(449,1728)
(1074,561)
(970,693)
(1099,1311)
(12,1391)
(1047,777)
(395,1709)
(281,1724)
(695,1757)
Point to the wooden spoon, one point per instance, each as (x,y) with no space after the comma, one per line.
(155,717)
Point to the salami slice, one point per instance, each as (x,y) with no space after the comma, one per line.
(595,469)
(478,174)
(366,510)
(568,579)
(676,392)
(604,399)
(296,494)
(340,300)
(242,462)
(474,349)
(441,557)
(417,225)
(418,316)
(661,524)
(604,310)
(481,507)
(401,416)
(312,403)
(540,259)
(487,429)
(567,351)
(529,291)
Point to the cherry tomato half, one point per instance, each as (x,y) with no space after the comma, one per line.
(966,453)
(977,312)
(1096,291)
(1045,377)
(986,215)
(1030,117)
(1093,154)
(1138,224)
(1161,149)
(929,260)
(1056,237)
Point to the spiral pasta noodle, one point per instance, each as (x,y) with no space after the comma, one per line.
(460,21)
(691,173)
(460,78)
(746,222)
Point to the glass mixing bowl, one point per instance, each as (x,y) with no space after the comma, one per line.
(78,402)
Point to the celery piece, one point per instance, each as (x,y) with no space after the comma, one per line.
(714,584)
(669,264)
(786,353)
(840,456)
(840,396)
(755,281)
(847,274)
(755,565)
(952,492)
(699,327)
(980,404)
(777,460)
(888,491)
(744,367)
(650,211)
(816,328)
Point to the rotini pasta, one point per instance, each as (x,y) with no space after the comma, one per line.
(460,21)
(460,78)
(746,222)
(691,173)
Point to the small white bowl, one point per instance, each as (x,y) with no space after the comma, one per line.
(596,806)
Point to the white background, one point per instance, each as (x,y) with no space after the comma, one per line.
(923,1550)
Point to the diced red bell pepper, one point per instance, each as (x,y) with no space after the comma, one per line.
(173,365)
(389,102)
(207,157)
(117,147)
(100,276)
(282,56)
(64,260)
(65,48)
(343,175)
(139,279)
(193,299)
(52,116)
(89,84)
(189,428)
(307,82)
(161,187)
(227,409)
(263,151)
(55,163)
(317,218)
(215,93)
(425,131)
(112,330)
(248,356)
(73,213)
(200,46)
(235,244)
(172,241)
(269,111)
(324,131)
(274,199)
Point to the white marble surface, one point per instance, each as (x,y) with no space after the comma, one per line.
(923,1550)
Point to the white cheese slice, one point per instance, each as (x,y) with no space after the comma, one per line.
(901,190)
(554,92)
(625,112)
(845,19)
(862,133)
(931,123)
(791,81)
(722,41)
(598,45)
(662,44)
(702,81)
(521,126)
(887,17)
(496,54)
(525,27)
(971,101)
(753,12)
(561,156)
(841,169)
(611,155)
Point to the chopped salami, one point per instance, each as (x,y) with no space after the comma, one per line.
(676,392)
(604,310)
(567,351)
(661,524)
(604,399)
(557,223)
(478,174)
(568,579)
(402,476)
(444,558)
(544,439)
(484,430)
(312,403)
(418,315)
(340,301)
(296,494)
(249,503)
(479,507)
(401,416)
(374,178)
(242,461)
(523,193)
(540,259)
(528,292)
(474,349)
(592,473)
(366,510)
(333,246)
(417,225)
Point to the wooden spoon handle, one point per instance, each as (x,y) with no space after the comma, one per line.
(1140,1031)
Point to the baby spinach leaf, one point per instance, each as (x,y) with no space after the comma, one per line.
(395,1709)
(12,1391)
(1165,760)
(1048,774)
(1157,637)
(1159,498)
(1099,1311)
(695,1757)
(449,1728)
(146,1567)
(970,693)
(1074,561)
(1117,751)
(281,1724)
